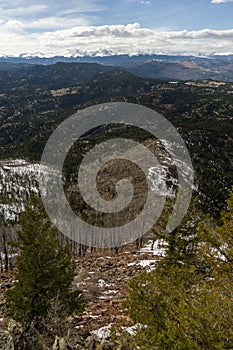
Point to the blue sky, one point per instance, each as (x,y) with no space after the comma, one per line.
(76,27)
(170,14)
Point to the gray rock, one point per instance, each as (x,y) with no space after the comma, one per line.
(6,341)
(92,342)
(107,346)
(59,344)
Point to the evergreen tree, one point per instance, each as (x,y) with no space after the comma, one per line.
(44,270)
(217,246)
(187,303)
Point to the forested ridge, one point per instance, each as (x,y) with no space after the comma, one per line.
(164,291)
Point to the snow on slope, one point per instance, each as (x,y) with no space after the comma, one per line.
(18,180)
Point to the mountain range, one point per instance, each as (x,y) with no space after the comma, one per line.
(147,66)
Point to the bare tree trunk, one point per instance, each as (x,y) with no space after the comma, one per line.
(5,250)
(1,262)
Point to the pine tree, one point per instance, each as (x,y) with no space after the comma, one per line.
(187,303)
(44,270)
(182,242)
(217,247)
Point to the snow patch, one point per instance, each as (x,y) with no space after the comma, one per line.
(157,248)
(102,283)
(148,263)
(103,332)
(133,329)
(161,181)
(18,180)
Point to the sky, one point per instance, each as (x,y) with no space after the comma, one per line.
(104,27)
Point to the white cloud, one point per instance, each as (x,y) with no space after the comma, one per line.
(42,24)
(22,10)
(220,1)
(108,39)
(144,2)
(55,23)
(131,39)
(57,27)
(82,7)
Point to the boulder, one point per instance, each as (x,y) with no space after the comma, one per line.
(60,344)
(6,340)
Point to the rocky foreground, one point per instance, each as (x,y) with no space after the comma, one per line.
(102,276)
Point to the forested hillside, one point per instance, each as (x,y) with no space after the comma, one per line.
(35,99)
(164,290)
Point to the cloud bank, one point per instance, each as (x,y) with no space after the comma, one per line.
(220,1)
(66,28)
(128,39)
